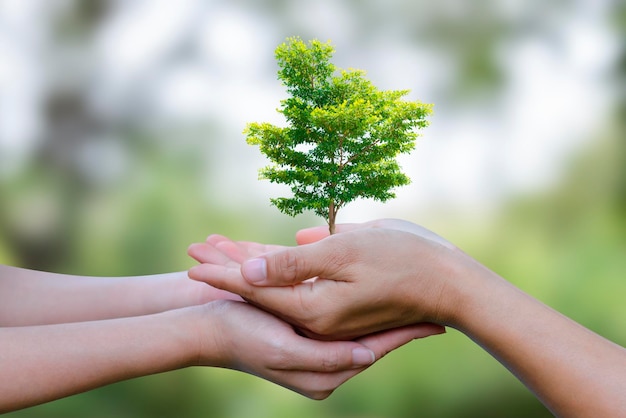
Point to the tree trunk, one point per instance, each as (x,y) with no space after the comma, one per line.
(331,217)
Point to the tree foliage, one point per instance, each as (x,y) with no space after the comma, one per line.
(342,133)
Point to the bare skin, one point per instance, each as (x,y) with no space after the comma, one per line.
(392,273)
(61,335)
(32,297)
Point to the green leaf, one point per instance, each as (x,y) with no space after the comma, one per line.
(342,134)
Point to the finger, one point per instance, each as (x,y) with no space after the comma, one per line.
(310,235)
(232,251)
(207,253)
(217,276)
(290,299)
(216,238)
(238,251)
(326,356)
(289,266)
(229,248)
(292,303)
(384,342)
(316,233)
(255,249)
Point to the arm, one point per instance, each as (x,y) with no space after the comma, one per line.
(46,362)
(572,370)
(29,297)
(370,278)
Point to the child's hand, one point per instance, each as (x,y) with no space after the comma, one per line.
(344,286)
(256,342)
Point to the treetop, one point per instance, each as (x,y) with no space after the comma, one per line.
(342,133)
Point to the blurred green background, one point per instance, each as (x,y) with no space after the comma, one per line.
(120,144)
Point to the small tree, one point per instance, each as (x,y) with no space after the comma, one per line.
(342,137)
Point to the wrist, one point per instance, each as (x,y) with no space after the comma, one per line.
(462,285)
(478,293)
(168,291)
(176,332)
(207,334)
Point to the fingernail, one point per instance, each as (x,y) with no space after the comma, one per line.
(362,356)
(254,270)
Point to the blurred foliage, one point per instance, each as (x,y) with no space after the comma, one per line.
(564,245)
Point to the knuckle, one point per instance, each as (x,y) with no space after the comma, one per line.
(324,318)
(321,326)
(289,265)
(341,254)
(331,362)
(281,356)
(325,330)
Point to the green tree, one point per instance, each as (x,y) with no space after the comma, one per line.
(342,134)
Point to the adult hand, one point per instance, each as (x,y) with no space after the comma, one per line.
(366,278)
(314,234)
(256,342)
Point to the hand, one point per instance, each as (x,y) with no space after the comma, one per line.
(310,235)
(226,253)
(257,342)
(368,277)
(353,270)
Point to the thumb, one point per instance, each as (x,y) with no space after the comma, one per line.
(286,267)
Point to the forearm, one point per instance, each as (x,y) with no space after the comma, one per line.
(574,371)
(31,297)
(43,363)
